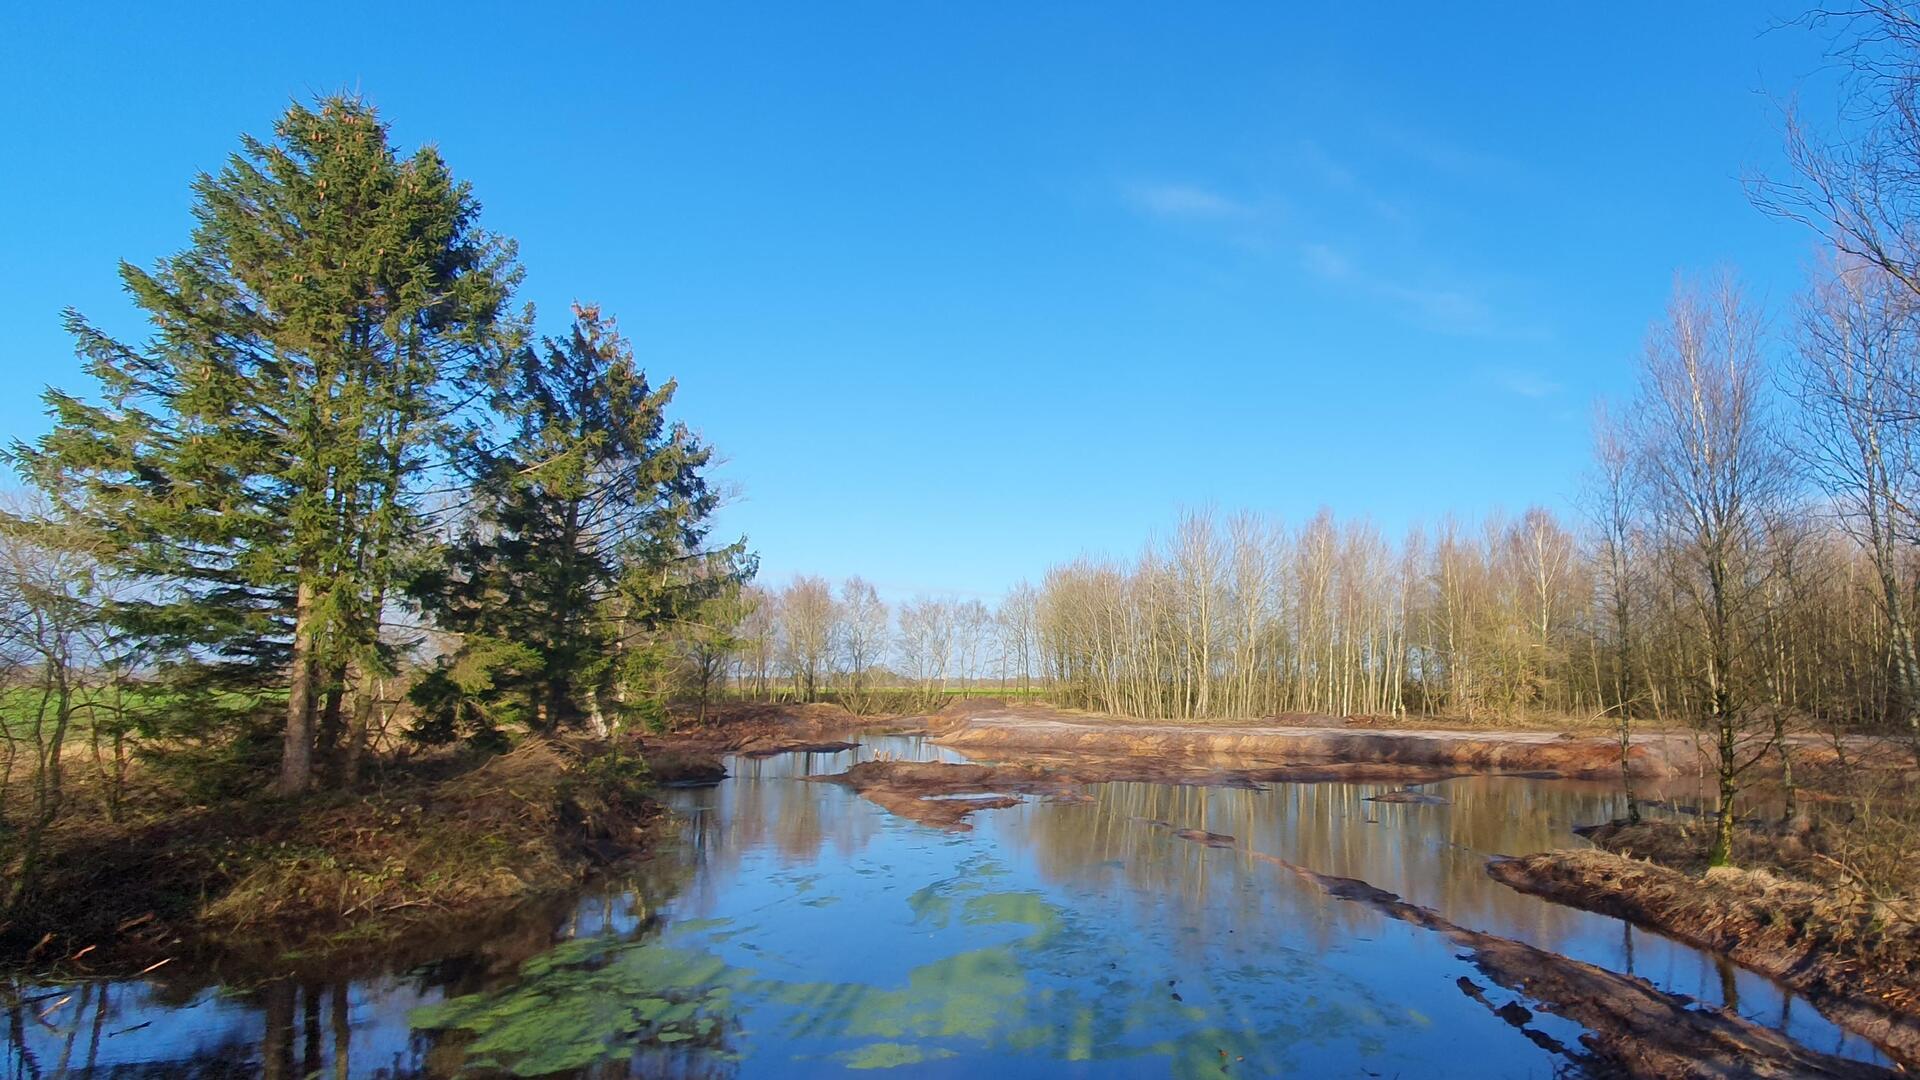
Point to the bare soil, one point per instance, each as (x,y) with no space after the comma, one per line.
(763,730)
(1856,957)
(992,726)
(926,791)
(798,746)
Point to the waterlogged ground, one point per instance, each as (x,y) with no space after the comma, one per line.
(806,932)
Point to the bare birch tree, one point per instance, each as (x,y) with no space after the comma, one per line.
(862,638)
(1712,476)
(1855,379)
(1613,508)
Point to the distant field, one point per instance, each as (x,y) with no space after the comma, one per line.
(901,696)
(20,705)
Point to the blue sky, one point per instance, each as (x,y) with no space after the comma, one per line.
(961,290)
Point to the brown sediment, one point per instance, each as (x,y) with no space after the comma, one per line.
(993,726)
(1633,1027)
(684,767)
(1419,798)
(1202,836)
(1854,958)
(762,730)
(923,790)
(766,748)
(930,792)
(949,812)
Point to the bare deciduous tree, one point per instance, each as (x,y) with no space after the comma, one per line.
(806,622)
(862,637)
(1614,508)
(926,644)
(1713,477)
(1855,378)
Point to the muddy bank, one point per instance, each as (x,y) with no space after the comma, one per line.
(798,746)
(684,767)
(760,730)
(936,794)
(943,795)
(1855,958)
(335,878)
(1633,1028)
(996,727)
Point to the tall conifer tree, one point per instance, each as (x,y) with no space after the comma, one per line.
(258,461)
(587,541)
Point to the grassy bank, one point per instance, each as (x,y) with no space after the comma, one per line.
(446,837)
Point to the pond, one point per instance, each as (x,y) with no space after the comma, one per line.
(802,931)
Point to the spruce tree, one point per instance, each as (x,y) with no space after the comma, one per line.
(258,460)
(587,541)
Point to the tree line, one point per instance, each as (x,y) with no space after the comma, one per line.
(1745,559)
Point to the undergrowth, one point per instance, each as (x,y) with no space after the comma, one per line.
(439,839)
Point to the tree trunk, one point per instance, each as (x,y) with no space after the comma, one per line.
(365,697)
(1721,854)
(296,756)
(557,708)
(1622,614)
(330,730)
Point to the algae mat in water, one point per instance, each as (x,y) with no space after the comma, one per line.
(670,1004)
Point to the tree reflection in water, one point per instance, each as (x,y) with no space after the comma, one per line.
(801,931)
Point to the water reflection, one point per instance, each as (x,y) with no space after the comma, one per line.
(802,931)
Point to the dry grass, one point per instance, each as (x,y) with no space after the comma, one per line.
(1821,938)
(444,838)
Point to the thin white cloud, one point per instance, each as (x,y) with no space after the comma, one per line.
(1526,384)
(1445,155)
(1436,298)
(1313,159)
(1183,201)
(1324,262)
(1447,308)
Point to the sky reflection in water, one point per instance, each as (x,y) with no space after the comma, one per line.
(807,932)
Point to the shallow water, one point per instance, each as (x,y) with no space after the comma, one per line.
(803,931)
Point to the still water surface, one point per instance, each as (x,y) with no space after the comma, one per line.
(802,931)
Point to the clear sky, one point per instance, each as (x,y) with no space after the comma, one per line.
(961,290)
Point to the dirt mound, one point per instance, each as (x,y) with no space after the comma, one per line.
(924,791)
(762,730)
(957,712)
(760,716)
(683,768)
(766,749)
(1858,959)
(989,726)
(1416,798)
